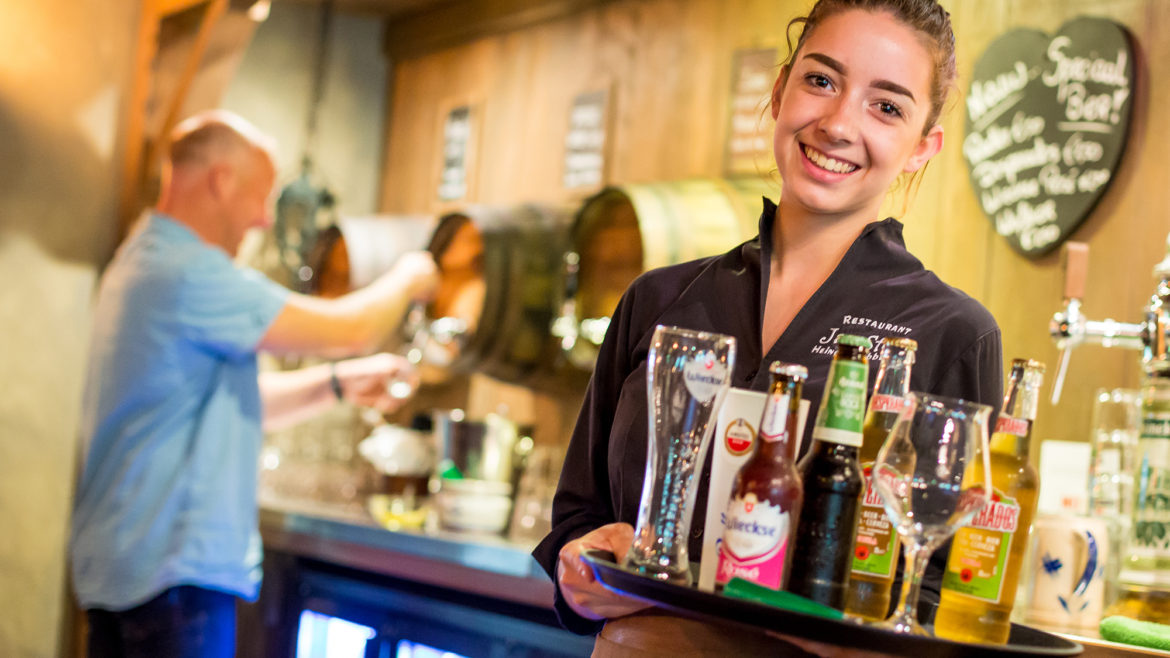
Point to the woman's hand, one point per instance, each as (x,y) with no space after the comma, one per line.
(582,592)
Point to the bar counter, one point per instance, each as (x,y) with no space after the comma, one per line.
(470,594)
(481,564)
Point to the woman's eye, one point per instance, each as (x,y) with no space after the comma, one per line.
(818,80)
(885,107)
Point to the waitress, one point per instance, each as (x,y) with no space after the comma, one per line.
(856,108)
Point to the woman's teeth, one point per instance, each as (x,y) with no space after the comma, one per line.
(825,162)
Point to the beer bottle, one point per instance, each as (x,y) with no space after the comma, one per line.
(765,499)
(875,541)
(832,480)
(983,568)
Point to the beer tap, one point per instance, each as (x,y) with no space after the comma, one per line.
(1069,327)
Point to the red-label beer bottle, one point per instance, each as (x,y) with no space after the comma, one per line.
(875,541)
(765,499)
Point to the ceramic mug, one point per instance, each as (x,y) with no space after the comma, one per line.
(1068,571)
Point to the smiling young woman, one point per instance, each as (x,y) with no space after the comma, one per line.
(856,109)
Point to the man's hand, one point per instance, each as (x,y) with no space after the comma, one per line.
(582,592)
(380,381)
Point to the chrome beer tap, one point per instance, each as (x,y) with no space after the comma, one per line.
(1069,327)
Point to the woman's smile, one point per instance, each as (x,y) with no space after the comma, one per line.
(824,161)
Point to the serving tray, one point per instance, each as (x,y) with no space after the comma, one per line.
(692,602)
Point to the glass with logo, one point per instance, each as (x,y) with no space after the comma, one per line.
(687,374)
(765,499)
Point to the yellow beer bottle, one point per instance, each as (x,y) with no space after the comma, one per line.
(983,568)
(875,541)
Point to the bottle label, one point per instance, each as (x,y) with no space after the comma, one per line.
(775,421)
(739,437)
(755,542)
(1150,541)
(875,546)
(886,403)
(843,412)
(1010,425)
(980,550)
(704,375)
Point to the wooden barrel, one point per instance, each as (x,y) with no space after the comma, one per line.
(625,230)
(500,278)
(356,250)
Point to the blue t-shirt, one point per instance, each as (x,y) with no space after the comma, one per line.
(171,422)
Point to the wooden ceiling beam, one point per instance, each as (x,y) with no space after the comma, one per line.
(451,24)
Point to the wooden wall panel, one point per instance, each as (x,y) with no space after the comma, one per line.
(668,64)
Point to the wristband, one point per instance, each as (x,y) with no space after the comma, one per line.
(334,382)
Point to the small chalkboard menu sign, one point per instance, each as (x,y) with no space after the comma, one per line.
(585,140)
(1047,122)
(748,149)
(457,141)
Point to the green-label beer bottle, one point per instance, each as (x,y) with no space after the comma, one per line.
(832,480)
(983,568)
(875,541)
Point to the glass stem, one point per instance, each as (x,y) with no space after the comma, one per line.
(916,559)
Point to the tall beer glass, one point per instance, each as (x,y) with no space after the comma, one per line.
(687,374)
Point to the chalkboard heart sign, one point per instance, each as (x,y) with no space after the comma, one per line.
(1047,122)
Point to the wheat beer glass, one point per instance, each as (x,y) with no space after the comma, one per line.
(927,478)
(687,374)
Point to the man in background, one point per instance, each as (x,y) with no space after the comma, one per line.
(165,533)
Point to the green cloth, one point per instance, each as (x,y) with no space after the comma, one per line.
(739,588)
(1139,633)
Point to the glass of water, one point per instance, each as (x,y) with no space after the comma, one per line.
(687,374)
(1116,423)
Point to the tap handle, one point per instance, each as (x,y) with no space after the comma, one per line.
(1061,370)
(1075,261)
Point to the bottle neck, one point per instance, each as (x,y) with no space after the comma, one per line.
(777,435)
(1013,428)
(841,414)
(893,380)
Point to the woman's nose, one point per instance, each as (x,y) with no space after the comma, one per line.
(840,121)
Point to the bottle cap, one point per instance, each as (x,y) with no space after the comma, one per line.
(854,341)
(1028,364)
(903,343)
(790,370)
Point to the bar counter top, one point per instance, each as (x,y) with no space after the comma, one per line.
(487,565)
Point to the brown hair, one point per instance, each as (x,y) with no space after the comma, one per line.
(927,17)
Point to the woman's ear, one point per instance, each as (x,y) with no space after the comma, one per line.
(777,90)
(927,147)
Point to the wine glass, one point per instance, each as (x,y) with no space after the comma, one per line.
(926,474)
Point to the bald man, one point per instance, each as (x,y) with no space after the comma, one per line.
(165,534)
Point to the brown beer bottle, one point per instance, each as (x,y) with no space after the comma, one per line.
(765,499)
(875,541)
(832,480)
(983,568)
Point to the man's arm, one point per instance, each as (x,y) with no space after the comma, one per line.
(291,396)
(354,323)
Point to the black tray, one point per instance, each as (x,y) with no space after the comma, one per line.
(692,602)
